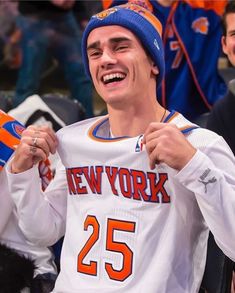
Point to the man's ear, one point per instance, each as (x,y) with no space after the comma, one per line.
(155,69)
(224,45)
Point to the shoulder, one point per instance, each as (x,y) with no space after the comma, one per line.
(199,137)
(225,102)
(203,137)
(223,109)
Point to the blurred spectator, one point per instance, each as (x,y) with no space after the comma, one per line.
(9,35)
(50,27)
(89,8)
(191,34)
(222,118)
(92,7)
(8,12)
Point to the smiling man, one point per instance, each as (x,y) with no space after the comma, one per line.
(142,186)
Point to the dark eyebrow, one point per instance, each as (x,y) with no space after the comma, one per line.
(94,45)
(117,40)
(231,32)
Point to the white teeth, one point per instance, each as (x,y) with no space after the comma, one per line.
(112,76)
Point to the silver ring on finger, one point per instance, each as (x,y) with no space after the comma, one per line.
(35,139)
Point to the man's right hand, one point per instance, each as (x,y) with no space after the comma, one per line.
(36,143)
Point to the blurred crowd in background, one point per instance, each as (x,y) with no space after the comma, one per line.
(23,40)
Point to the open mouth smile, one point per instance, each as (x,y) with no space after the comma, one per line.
(113,77)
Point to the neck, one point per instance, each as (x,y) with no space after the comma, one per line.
(133,122)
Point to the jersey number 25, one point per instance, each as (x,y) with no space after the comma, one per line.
(111,245)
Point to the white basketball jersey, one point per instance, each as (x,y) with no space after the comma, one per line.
(129,228)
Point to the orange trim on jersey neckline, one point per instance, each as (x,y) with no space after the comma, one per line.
(183,128)
(114,139)
(101,139)
(172,117)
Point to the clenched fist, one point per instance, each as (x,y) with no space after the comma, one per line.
(165,143)
(37,142)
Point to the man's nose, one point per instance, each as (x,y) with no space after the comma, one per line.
(108,58)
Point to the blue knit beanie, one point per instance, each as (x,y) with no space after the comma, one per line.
(140,21)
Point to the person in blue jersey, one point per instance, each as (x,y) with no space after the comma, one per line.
(136,191)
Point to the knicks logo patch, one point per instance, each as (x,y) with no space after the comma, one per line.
(102,15)
(201,25)
(18,129)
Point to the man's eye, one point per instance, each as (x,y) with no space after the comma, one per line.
(231,34)
(94,54)
(120,48)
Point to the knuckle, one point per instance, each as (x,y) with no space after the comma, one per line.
(23,140)
(30,127)
(25,132)
(152,125)
(46,128)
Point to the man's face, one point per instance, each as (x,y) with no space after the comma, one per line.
(119,66)
(228,41)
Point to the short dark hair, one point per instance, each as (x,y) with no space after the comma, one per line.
(230,8)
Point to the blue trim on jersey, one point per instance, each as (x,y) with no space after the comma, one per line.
(169,116)
(184,131)
(96,129)
(189,129)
